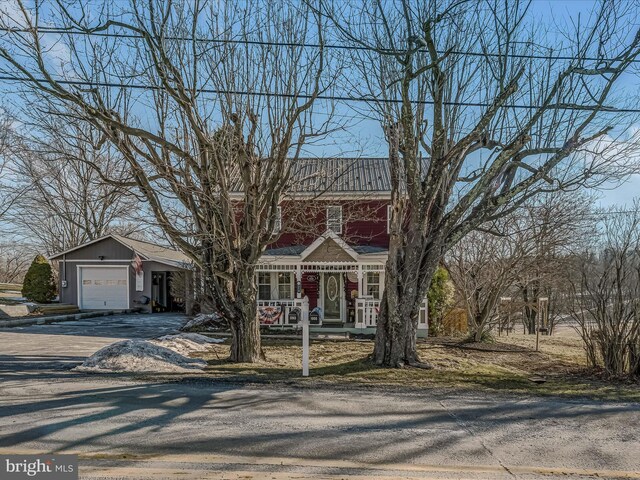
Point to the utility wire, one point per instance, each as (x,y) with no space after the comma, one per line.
(306,96)
(64,31)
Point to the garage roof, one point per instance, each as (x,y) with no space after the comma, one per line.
(146,250)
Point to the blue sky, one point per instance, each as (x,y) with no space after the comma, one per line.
(364,137)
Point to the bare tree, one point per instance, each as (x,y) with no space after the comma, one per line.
(64,201)
(560,224)
(6,199)
(606,294)
(480,115)
(521,254)
(179,89)
(14,262)
(484,266)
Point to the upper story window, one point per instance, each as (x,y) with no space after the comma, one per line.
(277,225)
(334,218)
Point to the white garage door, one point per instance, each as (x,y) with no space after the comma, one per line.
(103,288)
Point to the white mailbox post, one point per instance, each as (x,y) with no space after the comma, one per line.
(305,345)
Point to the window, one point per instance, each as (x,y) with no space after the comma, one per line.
(264,286)
(334,218)
(373,284)
(277,226)
(285,285)
(389,210)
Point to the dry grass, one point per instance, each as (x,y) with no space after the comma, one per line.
(507,365)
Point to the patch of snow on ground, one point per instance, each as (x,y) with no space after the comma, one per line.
(186,343)
(204,321)
(139,356)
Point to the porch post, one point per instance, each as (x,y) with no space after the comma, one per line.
(360,283)
(298,281)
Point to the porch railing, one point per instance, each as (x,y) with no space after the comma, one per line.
(367,310)
(276,312)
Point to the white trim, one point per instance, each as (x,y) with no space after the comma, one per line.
(320,240)
(327,218)
(79,282)
(259,284)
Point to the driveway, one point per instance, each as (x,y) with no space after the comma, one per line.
(59,346)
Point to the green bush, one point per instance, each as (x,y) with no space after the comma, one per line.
(39,285)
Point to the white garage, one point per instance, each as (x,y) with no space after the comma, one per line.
(103,288)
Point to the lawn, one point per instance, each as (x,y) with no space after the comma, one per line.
(509,365)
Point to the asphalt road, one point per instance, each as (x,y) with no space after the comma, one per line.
(198,429)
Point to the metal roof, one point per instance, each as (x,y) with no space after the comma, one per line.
(341,175)
(337,175)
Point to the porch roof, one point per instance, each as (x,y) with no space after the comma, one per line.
(298,249)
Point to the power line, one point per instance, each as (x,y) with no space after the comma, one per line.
(65,31)
(306,96)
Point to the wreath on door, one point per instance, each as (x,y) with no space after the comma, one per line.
(332,288)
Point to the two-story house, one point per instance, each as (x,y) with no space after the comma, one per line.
(327,259)
(331,251)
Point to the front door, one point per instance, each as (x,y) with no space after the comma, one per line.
(332,286)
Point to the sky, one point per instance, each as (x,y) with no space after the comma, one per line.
(364,137)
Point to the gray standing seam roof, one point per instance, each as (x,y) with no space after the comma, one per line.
(338,175)
(341,175)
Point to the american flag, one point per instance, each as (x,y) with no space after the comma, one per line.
(136,263)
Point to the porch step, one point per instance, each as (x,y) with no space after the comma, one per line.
(332,324)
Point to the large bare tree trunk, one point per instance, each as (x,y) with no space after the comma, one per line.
(395,343)
(245,326)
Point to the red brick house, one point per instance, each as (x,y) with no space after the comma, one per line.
(333,246)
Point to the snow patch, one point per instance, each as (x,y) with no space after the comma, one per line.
(205,321)
(139,356)
(186,343)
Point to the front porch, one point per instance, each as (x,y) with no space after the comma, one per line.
(337,286)
(335,296)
